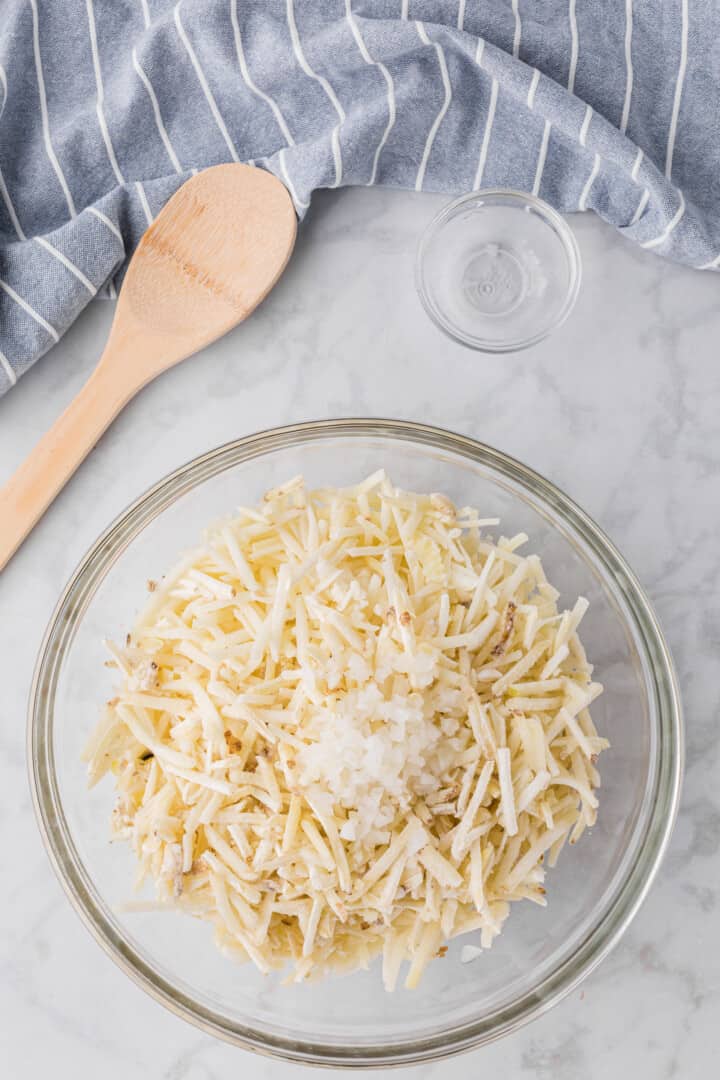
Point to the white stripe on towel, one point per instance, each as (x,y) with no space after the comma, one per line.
(3,186)
(518,28)
(533,87)
(10,208)
(162,130)
(144,202)
(302,61)
(388,80)
(204,84)
(658,240)
(101,94)
(541,158)
(461,15)
(488,122)
(44,112)
(636,166)
(422,34)
(299,204)
(67,264)
(279,118)
(146,13)
(644,199)
(5,365)
(712,265)
(678,91)
(486,135)
(106,221)
(540,168)
(573,46)
(628,65)
(585,124)
(30,310)
(582,205)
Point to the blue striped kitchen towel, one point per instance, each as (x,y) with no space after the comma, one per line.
(106,106)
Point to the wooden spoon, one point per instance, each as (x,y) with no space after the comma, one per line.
(213,253)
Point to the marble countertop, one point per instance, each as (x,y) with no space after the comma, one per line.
(629,392)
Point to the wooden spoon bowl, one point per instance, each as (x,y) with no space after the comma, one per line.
(212,255)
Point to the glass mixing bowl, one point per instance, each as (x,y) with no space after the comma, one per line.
(593,892)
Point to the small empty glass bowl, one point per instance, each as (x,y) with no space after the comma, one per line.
(498,270)
(542,953)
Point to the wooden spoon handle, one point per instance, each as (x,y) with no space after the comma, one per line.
(33,487)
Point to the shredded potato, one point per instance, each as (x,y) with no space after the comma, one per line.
(350,723)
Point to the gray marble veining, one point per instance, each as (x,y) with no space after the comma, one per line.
(620,408)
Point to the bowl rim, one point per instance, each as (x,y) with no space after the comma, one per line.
(556,984)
